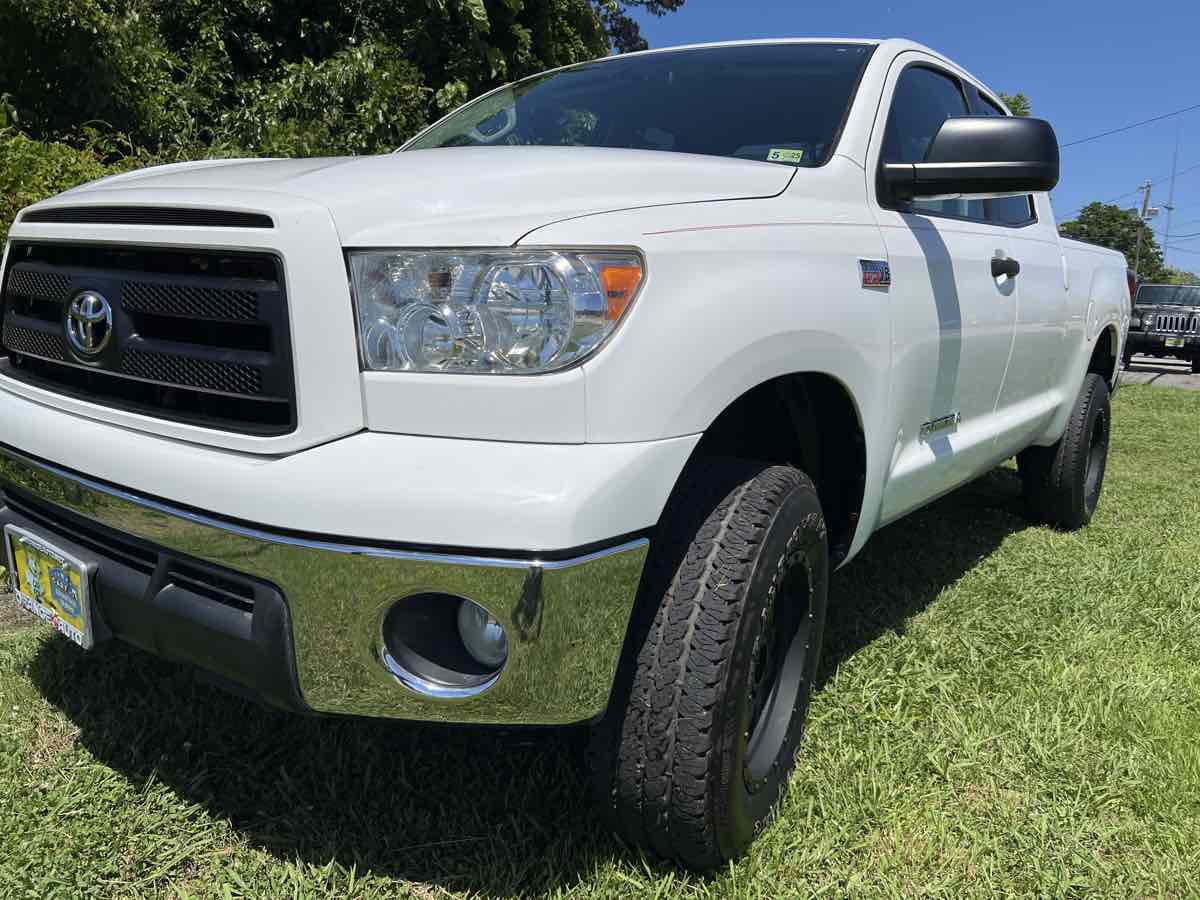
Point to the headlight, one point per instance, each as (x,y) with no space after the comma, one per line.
(1135,321)
(509,312)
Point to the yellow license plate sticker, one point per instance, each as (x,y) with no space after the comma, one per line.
(1175,342)
(50,584)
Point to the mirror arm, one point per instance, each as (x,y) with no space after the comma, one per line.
(901,180)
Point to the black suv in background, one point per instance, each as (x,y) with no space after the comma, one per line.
(1166,322)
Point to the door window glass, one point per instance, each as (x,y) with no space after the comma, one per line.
(1005,210)
(924,99)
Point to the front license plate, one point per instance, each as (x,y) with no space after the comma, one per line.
(50,584)
(1175,342)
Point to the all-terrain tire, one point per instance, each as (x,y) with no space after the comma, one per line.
(1062,482)
(696,748)
(1196,365)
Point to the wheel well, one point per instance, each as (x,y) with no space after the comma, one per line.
(1104,355)
(807,420)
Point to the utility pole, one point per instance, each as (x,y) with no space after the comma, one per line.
(1142,216)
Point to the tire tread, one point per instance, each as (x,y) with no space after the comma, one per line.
(1053,476)
(714,527)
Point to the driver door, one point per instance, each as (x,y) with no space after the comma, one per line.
(953,320)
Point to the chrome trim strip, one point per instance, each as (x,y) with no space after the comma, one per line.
(565,619)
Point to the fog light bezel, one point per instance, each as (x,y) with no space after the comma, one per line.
(421,646)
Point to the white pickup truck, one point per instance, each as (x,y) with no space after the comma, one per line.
(563,413)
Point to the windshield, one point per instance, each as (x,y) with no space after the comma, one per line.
(1169,294)
(782,103)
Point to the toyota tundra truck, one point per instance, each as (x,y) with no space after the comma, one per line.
(563,413)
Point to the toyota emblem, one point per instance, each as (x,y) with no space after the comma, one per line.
(88,324)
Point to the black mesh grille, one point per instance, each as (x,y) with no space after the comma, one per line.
(181,300)
(229,378)
(197,335)
(20,339)
(149,215)
(39,285)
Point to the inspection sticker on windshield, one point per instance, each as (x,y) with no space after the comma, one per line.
(785,156)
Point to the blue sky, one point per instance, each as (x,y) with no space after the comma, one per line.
(1086,66)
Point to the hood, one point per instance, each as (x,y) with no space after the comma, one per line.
(1166,309)
(467,195)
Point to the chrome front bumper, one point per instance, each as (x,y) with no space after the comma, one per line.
(565,618)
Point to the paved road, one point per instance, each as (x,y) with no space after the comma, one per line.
(1161,372)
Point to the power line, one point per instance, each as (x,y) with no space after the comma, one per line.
(1103,134)
(1181,249)
(1158,226)
(1137,190)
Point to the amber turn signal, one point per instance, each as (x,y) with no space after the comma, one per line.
(620,287)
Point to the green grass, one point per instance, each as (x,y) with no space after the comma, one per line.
(1005,710)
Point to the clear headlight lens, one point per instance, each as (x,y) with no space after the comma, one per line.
(515,312)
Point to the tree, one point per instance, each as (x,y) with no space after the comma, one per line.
(310,76)
(1180,276)
(623,32)
(1018,104)
(1110,226)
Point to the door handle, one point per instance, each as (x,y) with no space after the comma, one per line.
(1003,265)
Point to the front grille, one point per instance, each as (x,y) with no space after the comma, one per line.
(33,342)
(1180,323)
(229,378)
(35,285)
(198,336)
(149,215)
(181,300)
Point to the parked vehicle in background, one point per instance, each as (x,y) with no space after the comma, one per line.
(564,413)
(1166,323)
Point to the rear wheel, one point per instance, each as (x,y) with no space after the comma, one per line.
(1063,482)
(702,733)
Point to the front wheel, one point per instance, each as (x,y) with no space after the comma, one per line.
(1062,482)
(703,730)
(1196,365)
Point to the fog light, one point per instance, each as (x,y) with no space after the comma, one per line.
(482,635)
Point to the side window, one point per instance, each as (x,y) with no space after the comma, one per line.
(924,99)
(1007,210)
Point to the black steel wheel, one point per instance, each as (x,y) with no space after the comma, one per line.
(1063,481)
(709,710)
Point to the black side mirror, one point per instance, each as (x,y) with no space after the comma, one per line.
(980,156)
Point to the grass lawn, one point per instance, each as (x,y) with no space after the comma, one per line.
(1005,710)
